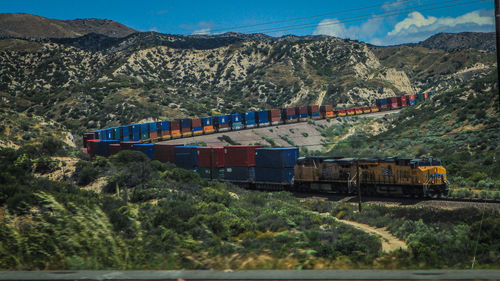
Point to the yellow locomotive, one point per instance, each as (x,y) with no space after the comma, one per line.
(390,176)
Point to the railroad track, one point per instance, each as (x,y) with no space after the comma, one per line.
(434,202)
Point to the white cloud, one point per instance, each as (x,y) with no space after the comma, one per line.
(417,27)
(203,31)
(333,27)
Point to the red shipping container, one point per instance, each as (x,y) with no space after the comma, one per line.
(291,111)
(86,137)
(153,135)
(358,110)
(374,108)
(91,147)
(196,122)
(411,97)
(175,125)
(302,109)
(350,111)
(114,148)
(275,113)
(366,109)
(128,144)
(211,157)
(240,155)
(164,152)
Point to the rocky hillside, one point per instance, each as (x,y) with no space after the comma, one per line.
(32,26)
(97,81)
(452,41)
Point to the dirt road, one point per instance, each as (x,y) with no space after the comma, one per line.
(389,242)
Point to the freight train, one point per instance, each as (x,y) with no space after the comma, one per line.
(256,167)
(188,127)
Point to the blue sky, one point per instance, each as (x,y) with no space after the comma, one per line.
(410,20)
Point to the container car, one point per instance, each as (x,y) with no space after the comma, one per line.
(358,110)
(262,118)
(126,133)
(186,157)
(350,111)
(302,113)
(175,129)
(186,127)
(208,125)
(211,157)
(289,115)
(313,111)
(374,108)
(392,102)
(165,130)
(382,104)
(153,131)
(164,152)
(275,117)
(411,99)
(326,111)
(276,157)
(240,155)
(236,122)
(249,119)
(340,112)
(146,148)
(222,123)
(114,148)
(239,174)
(196,126)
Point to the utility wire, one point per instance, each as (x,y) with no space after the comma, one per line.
(309,17)
(361,18)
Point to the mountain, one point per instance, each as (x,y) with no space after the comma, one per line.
(452,41)
(32,26)
(96,80)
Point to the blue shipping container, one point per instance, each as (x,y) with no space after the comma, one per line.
(165,125)
(153,127)
(145,128)
(250,119)
(305,115)
(136,132)
(206,121)
(185,123)
(274,175)
(186,157)
(379,102)
(263,117)
(276,157)
(315,114)
(126,133)
(109,134)
(146,148)
(239,174)
(117,134)
(223,119)
(236,122)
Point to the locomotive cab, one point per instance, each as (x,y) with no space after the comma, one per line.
(431,175)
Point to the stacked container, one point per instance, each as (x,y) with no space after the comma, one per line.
(186,127)
(165,130)
(275,117)
(358,110)
(373,108)
(144,131)
(236,122)
(367,109)
(275,165)
(146,148)
(350,111)
(164,152)
(91,147)
(302,112)
(211,162)
(222,123)
(136,132)
(290,115)
(392,102)
(208,125)
(126,131)
(196,126)
(262,118)
(117,133)
(101,147)
(249,120)
(326,111)
(239,161)
(153,131)
(402,101)
(175,129)
(313,111)
(186,157)
(382,104)
(128,145)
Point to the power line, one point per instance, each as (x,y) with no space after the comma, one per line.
(363,17)
(309,17)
